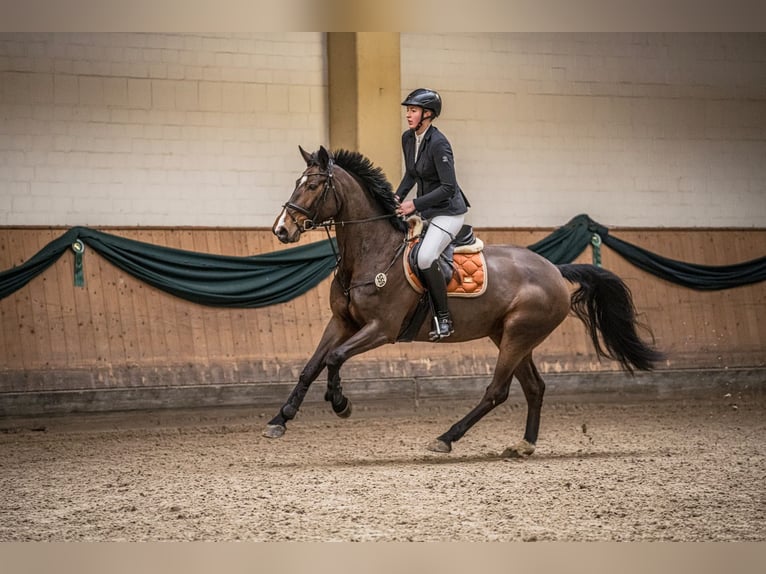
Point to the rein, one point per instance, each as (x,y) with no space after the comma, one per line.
(380,278)
(341,223)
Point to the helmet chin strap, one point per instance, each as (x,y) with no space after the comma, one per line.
(420,123)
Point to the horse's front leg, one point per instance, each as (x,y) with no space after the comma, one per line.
(335,333)
(367,338)
(341,406)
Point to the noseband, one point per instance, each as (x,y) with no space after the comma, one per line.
(309,223)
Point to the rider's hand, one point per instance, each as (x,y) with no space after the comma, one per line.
(406,208)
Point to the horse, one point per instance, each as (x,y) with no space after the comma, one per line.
(526,299)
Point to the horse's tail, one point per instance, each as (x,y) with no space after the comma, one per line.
(604,303)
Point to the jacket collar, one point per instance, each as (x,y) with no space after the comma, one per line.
(427,136)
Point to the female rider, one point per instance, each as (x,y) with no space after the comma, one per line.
(429,164)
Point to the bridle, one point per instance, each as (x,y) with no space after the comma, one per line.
(309,223)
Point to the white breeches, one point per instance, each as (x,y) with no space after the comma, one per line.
(441,231)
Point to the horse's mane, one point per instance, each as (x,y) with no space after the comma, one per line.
(373,180)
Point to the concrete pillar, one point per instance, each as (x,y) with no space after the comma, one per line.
(364,76)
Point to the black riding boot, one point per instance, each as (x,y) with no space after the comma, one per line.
(437,289)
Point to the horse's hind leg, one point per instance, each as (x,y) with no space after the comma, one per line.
(534,387)
(496,393)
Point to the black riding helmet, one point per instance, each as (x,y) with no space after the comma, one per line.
(426,99)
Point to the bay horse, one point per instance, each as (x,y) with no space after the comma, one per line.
(526,299)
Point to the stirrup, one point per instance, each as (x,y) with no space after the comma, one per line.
(442,328)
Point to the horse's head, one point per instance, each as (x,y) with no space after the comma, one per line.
(308,204)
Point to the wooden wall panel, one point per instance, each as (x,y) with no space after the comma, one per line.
(119,332)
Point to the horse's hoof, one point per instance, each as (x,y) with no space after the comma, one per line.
(274,431)
(439,446)
(346,412)
(522,449)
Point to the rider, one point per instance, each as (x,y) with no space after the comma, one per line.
(429,163)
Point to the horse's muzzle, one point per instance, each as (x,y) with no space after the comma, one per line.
(285,235)
(285,228)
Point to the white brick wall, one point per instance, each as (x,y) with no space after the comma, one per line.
(156,129)
(633,129)
(181,129)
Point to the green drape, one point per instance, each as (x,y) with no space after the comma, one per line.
(217,280)
(271,278)
(702,277)
(568,241)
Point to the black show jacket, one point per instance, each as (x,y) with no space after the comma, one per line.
(434,173)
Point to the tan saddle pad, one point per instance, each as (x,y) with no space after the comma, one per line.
(469,272)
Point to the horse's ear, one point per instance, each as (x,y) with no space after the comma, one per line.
(324,157)
(306,156)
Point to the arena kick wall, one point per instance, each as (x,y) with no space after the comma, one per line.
(191,141)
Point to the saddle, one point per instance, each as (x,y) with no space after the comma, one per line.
(462,263)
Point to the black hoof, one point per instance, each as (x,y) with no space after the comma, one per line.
(344,410)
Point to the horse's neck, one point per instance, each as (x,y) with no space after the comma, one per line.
(371,241)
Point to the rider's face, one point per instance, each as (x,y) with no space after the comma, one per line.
(413,114)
